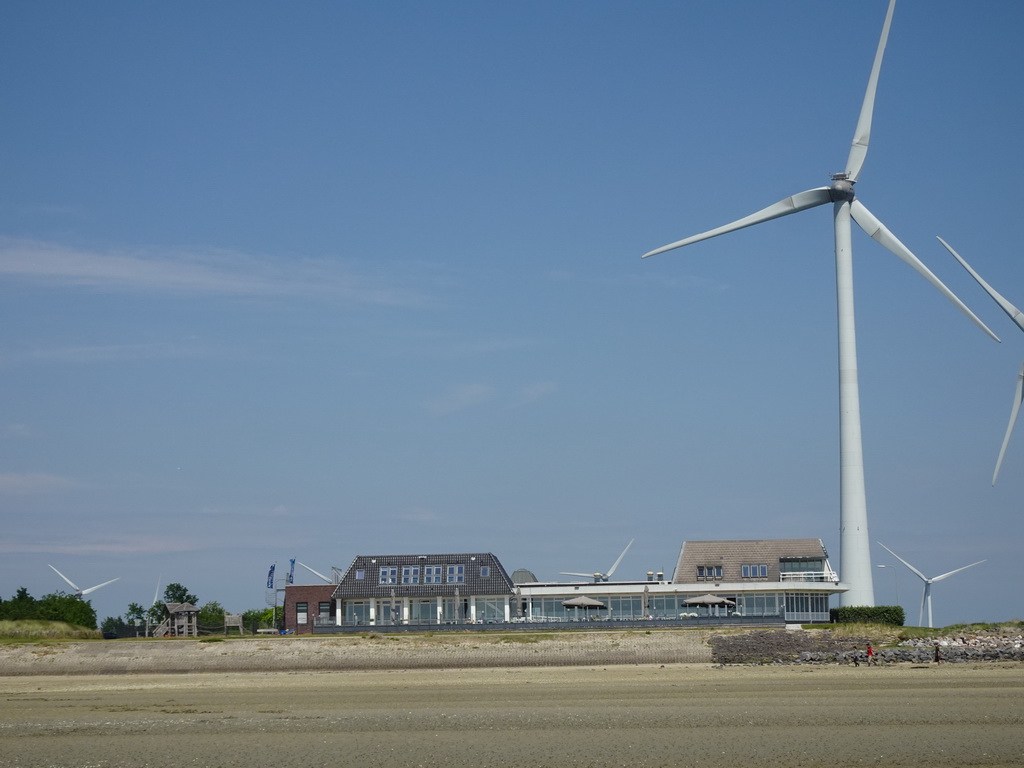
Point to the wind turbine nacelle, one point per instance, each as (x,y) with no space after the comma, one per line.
(841,189)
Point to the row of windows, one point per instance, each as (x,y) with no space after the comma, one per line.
(423,611)
(748,571)
(432,611)
(427,574)
(709,573)
(302,611)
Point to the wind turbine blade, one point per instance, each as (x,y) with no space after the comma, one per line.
(1018,396)
(315,572)
(156,594)
(93,589)
(69,581)
(878,231)
(584,575)
(862,133)
(1015,314)
(799,202)
(945,575)
(616,563)
(920,575)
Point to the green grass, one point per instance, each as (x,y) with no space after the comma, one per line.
(31,630)
(886,634)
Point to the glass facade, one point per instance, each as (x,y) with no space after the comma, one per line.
(759,604)
(357,612)
(388,612)
(423,611)
(490,609)
(788,606)
(806,607)
(454,609)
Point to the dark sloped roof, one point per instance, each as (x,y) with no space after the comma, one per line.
(173,608)
(496,582)
(731,555)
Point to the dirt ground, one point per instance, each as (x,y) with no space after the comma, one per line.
(559,717)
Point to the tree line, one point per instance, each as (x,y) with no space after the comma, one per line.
(135,622)
(56,606)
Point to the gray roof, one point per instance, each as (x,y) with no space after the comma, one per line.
(362,579)
(731,555)
(523,576)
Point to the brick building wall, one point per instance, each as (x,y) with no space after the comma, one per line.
(310,597)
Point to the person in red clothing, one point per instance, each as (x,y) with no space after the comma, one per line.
(871,655)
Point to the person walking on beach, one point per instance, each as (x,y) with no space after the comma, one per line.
(871,655)
(938,657)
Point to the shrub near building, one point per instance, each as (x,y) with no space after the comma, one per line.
(891,615)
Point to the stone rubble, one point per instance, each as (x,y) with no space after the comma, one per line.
(823,647)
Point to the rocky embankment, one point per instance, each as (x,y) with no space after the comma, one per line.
(825,647)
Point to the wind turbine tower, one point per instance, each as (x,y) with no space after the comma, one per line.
(854,546)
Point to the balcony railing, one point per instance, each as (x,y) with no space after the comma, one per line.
(830,576)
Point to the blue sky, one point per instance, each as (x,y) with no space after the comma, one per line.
(325,279)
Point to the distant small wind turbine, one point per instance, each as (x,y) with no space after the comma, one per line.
(79,592)
(597,576)
(926,597)
(854,544)
(1018,317)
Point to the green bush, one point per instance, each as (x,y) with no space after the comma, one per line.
(891,615)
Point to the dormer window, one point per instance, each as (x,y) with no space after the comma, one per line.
(709,573)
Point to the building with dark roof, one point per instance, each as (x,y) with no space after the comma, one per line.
(387,590)
(750,581)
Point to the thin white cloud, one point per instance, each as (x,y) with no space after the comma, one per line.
(419,515)
(110,544)
(101,353)
(459,399)
(32,483)
(537,391)
(195,272)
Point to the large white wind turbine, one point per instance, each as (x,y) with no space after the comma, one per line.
(855,553)
(598,576)
(79,592)
(926,597)
(1018,317)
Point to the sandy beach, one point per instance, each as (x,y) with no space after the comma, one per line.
(625,714)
